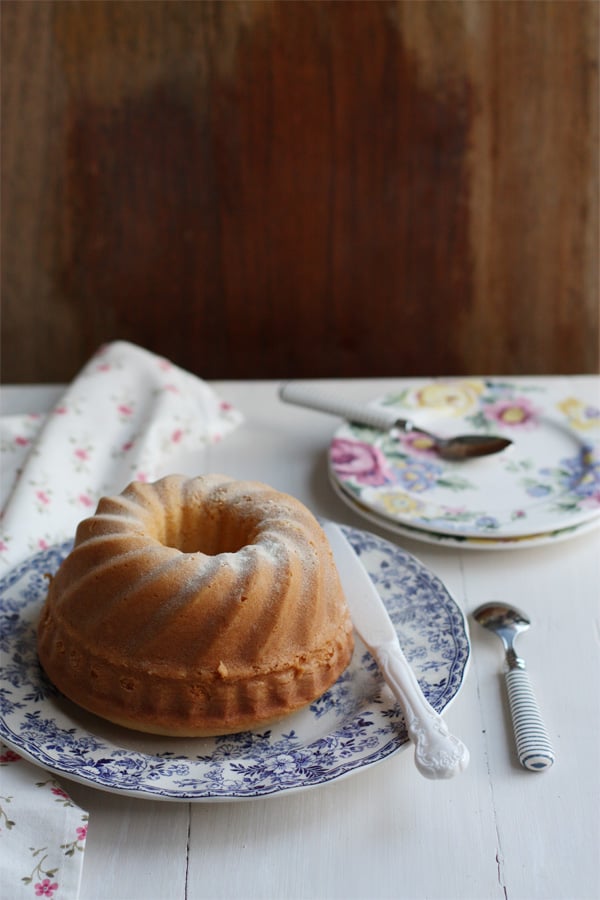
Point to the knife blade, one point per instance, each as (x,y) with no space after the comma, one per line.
(438,754)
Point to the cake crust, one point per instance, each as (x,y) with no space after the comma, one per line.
(196,607)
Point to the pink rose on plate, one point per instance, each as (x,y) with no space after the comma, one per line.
(515,412)
(364,462)
(418,443)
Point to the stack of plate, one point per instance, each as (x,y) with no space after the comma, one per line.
(545,487)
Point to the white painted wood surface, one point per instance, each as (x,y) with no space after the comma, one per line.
(496,831)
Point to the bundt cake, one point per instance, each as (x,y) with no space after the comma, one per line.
(196,607)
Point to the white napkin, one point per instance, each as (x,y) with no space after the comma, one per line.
(122,419)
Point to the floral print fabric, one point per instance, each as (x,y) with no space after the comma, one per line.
(42,833)
(121,419)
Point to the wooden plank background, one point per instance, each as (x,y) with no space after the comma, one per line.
(304,189)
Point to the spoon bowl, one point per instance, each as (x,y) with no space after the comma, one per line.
(461,447)
(534,747)
(505,621)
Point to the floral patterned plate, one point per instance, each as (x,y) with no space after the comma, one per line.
(547,481)
(352,726)
(524,542)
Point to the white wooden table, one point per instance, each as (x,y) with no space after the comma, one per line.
(496,831)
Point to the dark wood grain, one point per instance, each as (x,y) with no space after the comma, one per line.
(274,189)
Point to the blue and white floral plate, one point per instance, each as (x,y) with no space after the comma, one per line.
(547,482)
(352,726)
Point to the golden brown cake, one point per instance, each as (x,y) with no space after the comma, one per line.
(194,607)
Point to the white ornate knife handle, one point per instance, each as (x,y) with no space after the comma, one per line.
(534,747)
(313,398)
(438,754)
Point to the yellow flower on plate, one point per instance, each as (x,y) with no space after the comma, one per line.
(457,397)
(579,414)
(397,503)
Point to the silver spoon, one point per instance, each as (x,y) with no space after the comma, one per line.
(534,748)
(461,447)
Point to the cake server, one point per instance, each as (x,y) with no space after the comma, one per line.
(461,447)
(438,754)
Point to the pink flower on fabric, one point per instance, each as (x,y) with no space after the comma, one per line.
(127,446)
(45,888)
(141,476)
(364,462)
(3,546)
(42,544)
(225,406)
(85,500)
(58,792)
(172,388)
(514,412)
(9,756)
(164,364)
(21,441)
(43,497)
(104,367)
(82,454)
(125,410)
(177,435)
(60,410)
(81,832)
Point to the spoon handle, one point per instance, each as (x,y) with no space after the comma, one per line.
(313,398)
(534,747)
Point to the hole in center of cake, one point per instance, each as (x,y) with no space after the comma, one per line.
(209,541)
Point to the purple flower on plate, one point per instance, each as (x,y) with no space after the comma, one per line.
(581,474)
(355,459)
(487,523)
(417,475)
(538,490)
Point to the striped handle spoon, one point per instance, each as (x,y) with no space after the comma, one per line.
(534,747)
